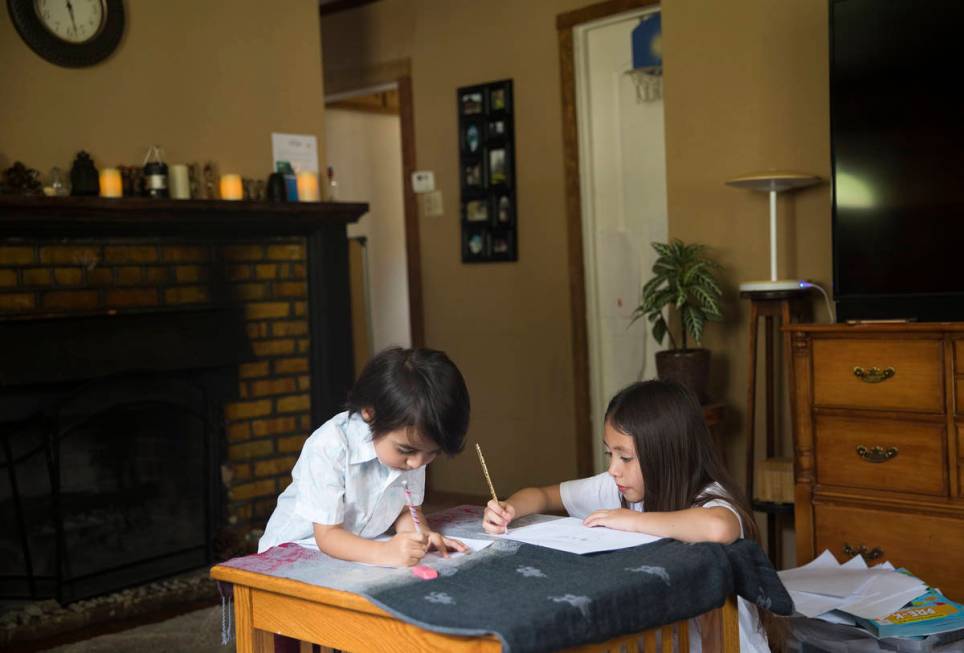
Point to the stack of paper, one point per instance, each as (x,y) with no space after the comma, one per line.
(825,585)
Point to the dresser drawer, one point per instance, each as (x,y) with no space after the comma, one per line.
(929,547)
(916,383)
(881,454)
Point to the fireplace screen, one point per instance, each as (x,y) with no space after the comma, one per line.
(106,485)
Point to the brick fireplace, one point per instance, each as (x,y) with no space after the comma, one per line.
(282,268)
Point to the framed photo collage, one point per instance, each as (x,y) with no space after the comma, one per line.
(487,170)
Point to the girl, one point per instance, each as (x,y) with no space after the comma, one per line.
(407,406)
(661,455)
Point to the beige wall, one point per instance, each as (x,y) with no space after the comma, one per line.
(745,89)
(506,325)
(206,80)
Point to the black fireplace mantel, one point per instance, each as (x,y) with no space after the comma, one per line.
(323,224)
(91,217)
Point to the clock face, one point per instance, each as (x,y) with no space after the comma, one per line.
(74,21)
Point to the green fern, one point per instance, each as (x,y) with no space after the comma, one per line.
(685,279)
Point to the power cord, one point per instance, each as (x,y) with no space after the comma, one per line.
(826,297)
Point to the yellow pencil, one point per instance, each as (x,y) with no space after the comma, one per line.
(485,470)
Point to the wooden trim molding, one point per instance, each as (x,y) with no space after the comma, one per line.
(570,19)
(577,275)
(413,248)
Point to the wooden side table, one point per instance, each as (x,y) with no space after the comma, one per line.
(778,308)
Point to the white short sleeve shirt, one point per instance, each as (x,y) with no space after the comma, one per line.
(586,495)
(338,479)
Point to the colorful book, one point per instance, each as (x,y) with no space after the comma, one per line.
(928,614)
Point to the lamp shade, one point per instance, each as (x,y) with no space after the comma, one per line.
(773,180)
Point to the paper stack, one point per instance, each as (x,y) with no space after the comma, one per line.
(824,585)
(891,609)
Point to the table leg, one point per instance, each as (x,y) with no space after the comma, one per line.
(248,639)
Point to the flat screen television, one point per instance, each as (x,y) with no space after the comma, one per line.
(897,144)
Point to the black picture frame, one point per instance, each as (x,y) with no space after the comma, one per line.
(487,165)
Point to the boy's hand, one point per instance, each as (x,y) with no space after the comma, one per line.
(442,544)
(406,549)
(498,515)
(620,519)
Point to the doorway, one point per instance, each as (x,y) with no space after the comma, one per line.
(616,180)
(364,148)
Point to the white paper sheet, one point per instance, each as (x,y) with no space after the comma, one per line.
(824,584)
(300,150)
(568,534)
(433,556)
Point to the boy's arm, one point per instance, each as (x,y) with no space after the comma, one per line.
(404,524)
(716,524)
(403,550)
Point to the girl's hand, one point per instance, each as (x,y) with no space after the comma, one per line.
(620,519)
(442,544)
(497,516)
(406,549)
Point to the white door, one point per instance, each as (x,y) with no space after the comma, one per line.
(622,157)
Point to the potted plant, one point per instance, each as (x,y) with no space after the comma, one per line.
(684,280)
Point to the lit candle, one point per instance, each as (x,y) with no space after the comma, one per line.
(110,183)
(231,188)
(178,181)
(308,187)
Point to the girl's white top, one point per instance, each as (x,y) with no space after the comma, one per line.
(585,495)
(339,480)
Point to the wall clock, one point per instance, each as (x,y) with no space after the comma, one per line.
(71,33)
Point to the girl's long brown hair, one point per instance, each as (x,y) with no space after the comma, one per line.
(675,451)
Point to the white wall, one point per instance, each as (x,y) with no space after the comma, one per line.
(365,150)
(623,184)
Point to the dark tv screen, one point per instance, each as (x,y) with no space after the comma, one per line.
(897,141)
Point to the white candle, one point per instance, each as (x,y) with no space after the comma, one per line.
(110,183)
(308,187)
(231,188)
(178,182)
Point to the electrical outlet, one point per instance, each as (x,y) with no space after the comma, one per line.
(423,181)
(431,204)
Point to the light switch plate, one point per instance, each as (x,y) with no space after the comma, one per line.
(431,204)
(423,181)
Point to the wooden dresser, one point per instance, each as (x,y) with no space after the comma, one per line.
(878,414)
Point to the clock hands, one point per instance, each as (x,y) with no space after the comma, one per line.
(70,9)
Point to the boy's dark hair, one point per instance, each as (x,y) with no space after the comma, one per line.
(419,388)
(674,449)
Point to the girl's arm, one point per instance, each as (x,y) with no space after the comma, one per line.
(527,501)
(698,524)
(403,550)
(442,544)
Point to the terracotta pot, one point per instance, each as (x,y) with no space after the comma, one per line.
(688,367)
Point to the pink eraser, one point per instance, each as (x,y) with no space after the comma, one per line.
(424,572)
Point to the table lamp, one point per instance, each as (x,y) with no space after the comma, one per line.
(773,181)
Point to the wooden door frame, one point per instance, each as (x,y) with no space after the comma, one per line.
(565,23)
(413,249)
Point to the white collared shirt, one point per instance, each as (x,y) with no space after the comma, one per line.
(339,480)
(586,495)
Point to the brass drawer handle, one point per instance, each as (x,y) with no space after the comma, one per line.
(876,454)
(874,374)
(871,554)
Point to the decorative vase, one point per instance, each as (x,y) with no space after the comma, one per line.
(688,367)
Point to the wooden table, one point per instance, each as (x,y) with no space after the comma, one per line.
(265,605)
